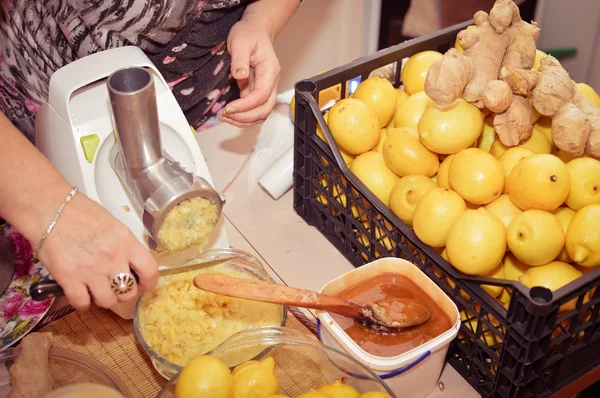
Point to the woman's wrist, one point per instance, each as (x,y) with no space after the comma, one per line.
(270,15)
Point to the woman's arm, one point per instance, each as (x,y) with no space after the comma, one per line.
(273,14)
(254,63)
(87,247)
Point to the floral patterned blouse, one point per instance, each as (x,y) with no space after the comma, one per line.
(185,39)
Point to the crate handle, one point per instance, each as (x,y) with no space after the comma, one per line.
(406,368)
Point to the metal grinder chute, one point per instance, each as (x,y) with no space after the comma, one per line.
(154,181)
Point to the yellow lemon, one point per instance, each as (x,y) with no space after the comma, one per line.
(544,125)
(476,242)
(405,155)
(256,380)
(539,182)
(435,213)
(488,135)
(337,389)
(313,394)
(415,70)
(401,96)
(535,237)
(382,136)
(205,376)
(583,237)
(277,396)
(407,193)
(442,174)
(450,130)
(354,126)
(457,45)
(380,95)
(477,176)
(496,273)
(410,111)
(375,394)
(564,215)
(504,209)
(539,54)
(371,169)
(537,143)
(566,157)
(589,93)
(513,267)
(552,276)
(584,174)
(509,160)
(347,157)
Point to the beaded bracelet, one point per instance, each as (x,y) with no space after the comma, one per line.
(70,196)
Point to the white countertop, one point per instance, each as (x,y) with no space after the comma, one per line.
(295,252)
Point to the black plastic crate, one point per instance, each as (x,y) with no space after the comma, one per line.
(528,350)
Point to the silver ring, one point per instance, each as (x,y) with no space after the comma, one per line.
(122,283)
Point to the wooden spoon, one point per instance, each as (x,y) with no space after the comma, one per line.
(385,316)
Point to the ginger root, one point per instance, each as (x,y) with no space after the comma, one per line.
(30,374)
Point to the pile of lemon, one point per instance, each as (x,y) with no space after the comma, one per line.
(526,213)
(209,377)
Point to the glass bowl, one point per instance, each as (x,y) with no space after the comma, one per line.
(67,367)
(301,363)
(237,260)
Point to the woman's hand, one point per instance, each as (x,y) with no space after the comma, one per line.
(87,248)
(256,68)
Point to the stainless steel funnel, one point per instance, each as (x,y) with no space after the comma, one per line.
(155,182)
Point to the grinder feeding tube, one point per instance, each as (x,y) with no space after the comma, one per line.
(156,183)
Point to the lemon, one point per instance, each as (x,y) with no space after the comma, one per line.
(509,160)
(476,242)
(589,93)
(564,215)
(496,273)
(450,130)
(552,276)
(405,130)
(347,157)
(537,143)
(535,237)
(442,174)
(375,394)
(476,175)
(415,70)
(380,95)
(277,396)
(504,209)
(435,213)
(583,237)
(401,96)
(257,380)
(513,267)
(371,169)
(354,126)
(488,134)
(382,136)
(544,125)
(405,155)
(539,182)
(566,157)
(584,174)
(410,111)
(205,376)
(407,193)
(313,394)
(337,389)
(539,54)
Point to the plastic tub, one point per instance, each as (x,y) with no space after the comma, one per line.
(415,373)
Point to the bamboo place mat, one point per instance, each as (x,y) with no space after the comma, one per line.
(111,340)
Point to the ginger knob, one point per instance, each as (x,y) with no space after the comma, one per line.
(497,96)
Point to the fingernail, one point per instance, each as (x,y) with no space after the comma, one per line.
(220,115)
(230,109)
(240,72)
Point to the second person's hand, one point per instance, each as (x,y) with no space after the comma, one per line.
(255,66)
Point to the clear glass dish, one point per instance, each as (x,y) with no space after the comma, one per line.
(301,363)
(67,367)
(237,260)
